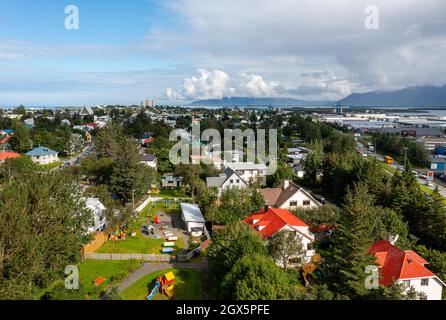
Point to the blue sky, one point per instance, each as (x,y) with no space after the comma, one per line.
(176,51)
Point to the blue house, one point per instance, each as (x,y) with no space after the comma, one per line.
(43,155)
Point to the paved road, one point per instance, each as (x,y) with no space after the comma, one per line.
(396,165)
(150,267)
(76,159)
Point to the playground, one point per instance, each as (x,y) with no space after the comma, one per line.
(187,285)
(155,233)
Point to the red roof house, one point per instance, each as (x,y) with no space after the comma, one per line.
(8,155)
(404,265)
(269,221)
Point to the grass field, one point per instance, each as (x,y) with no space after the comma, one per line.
(141,243)
(112,270)
(188,286)
(89,270)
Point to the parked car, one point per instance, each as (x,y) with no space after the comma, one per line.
(319,198)
(429,184)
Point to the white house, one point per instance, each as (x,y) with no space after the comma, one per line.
(407,268)
(170,181)
(97,208)
(289,196)
(149,160)
(270,221)
(228,179)
(249,171)
(193,219)
(43,155)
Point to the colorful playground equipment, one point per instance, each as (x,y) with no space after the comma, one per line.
(156,220)
(165,285)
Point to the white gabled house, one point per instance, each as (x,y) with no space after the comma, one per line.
(97,208)
(289,196)
(228,179)
(250,172)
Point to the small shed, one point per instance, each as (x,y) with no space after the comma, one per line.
(193,219)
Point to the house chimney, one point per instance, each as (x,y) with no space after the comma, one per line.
(266,208)
(285,184)
(393,239)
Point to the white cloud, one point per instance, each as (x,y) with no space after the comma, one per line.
(206,84)
(407,49)
(254,85)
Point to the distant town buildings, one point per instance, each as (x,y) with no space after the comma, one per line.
(148,103)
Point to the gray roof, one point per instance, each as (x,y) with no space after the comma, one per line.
(215,181)
(148,157)
(222,178)
(246,166)
(191,213)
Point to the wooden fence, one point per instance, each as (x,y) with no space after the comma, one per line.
(130,256)
(99,239)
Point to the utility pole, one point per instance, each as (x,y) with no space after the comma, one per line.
(405,158)
(375,148)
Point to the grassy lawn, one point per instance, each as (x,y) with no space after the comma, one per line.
(50,166)
(142,243)
(172,193)
(188,286)
(113,271)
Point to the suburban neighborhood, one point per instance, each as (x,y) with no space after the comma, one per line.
(237,159)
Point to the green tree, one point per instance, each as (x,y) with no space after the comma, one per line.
(130,178)
(284,246)
(43,225)
(255,277)
(230,244)
(21,140)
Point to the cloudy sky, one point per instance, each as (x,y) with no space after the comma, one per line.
(176,51)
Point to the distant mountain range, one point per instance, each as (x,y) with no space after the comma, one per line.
(257,102)
(418,96)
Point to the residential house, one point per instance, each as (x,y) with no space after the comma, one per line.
(86,111)
(149,160)
(193,219)
(43,155)
(289,196)
(250,172)
(406,267)
(299,170)
(97,208)
(270,221)
(8,155)
(170,181)
(228,179)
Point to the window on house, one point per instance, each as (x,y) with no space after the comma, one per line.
(231,181)
(406,283)
(306,202)
(293,203)
(238,180)
(424,282)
